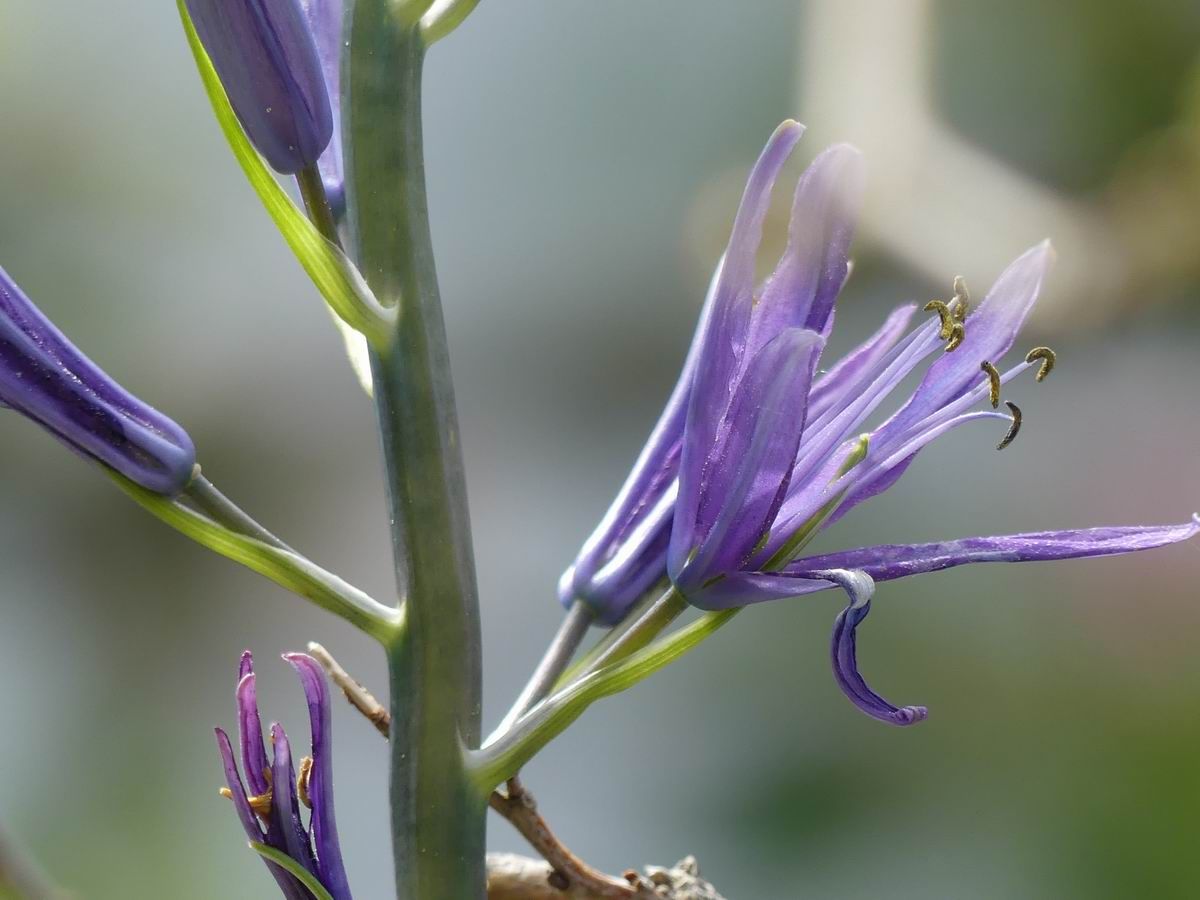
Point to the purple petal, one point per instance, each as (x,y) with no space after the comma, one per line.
(844,652)
(330,870)
(722,345)
(264,53)
(813,268)
(254,756)
(285,830)
(325,21)
(43,376)
(292,889)
(888,561)
(990,332)
(834,384)
(748,474)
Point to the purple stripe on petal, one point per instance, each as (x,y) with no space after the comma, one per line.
(844,651)
(254,756)
(330,869)
(748,474)
(832,386)
(888,561)
(721,351)
(813,268)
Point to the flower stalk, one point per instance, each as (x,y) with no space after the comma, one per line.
(438,814)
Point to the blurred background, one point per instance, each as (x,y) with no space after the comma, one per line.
(585,163)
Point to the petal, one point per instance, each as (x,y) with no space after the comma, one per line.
(834,384)
(722,344)
(844,651)
(990,332)
(888,561)
(292,889)
(285,831)
(330,869)
(748,476)
(325,21)
(801,291)
(254,756)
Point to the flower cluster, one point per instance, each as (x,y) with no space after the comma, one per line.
(757,451)
(270,808)
(43,376)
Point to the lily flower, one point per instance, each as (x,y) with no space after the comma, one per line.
(44,377)
(268,61)
(769,452)
(268,803)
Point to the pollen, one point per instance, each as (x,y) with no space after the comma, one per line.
(260,803)
(957,334)
(1014,428)
(1048,358)
(945,315)
(993,375)
(302,778)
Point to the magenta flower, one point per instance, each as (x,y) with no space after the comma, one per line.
(44,377)
(270,810)
(756,453)
(266,56)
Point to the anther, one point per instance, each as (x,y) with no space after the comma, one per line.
(957,334)
(945,315)
(993,375)
(1014,427)
(1048,358)
(963,296)
(302,780)
(260,803)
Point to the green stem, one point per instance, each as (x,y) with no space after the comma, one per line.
(437,815)
(316,203)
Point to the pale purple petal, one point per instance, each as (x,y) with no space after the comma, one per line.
(330,870)
(747,475)
(723,343)
(832,386)
(844,651)
(285,830)
(325,21)
(888,561)
(801,291)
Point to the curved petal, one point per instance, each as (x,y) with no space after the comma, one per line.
(285,831)
(834,384)
(254,755)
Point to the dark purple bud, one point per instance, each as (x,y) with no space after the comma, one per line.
(44,377)
(265,55)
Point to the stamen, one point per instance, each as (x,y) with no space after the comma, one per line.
(963,296)
(957,334)
(302,780)
(945,315)
(1048,358)
(1014,428)
(993,375)
(260,803)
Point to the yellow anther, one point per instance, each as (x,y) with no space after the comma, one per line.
(963,298)
(261,803)
(1014,427)
(302,780)
(945,315)
(993,375)
(1048,358)
(957,334)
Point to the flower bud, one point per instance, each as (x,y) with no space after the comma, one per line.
(44,377)
(265,55)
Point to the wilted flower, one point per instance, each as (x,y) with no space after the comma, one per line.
(727,494)
(265,54)
(270,810)
(44,376)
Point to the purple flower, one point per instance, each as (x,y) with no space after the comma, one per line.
(325,21)
(268,62)
(44,377)
(269,802)
(727,495)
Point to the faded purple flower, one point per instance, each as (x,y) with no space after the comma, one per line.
(268,62)
(726,497)
(44,376)
(269,802)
